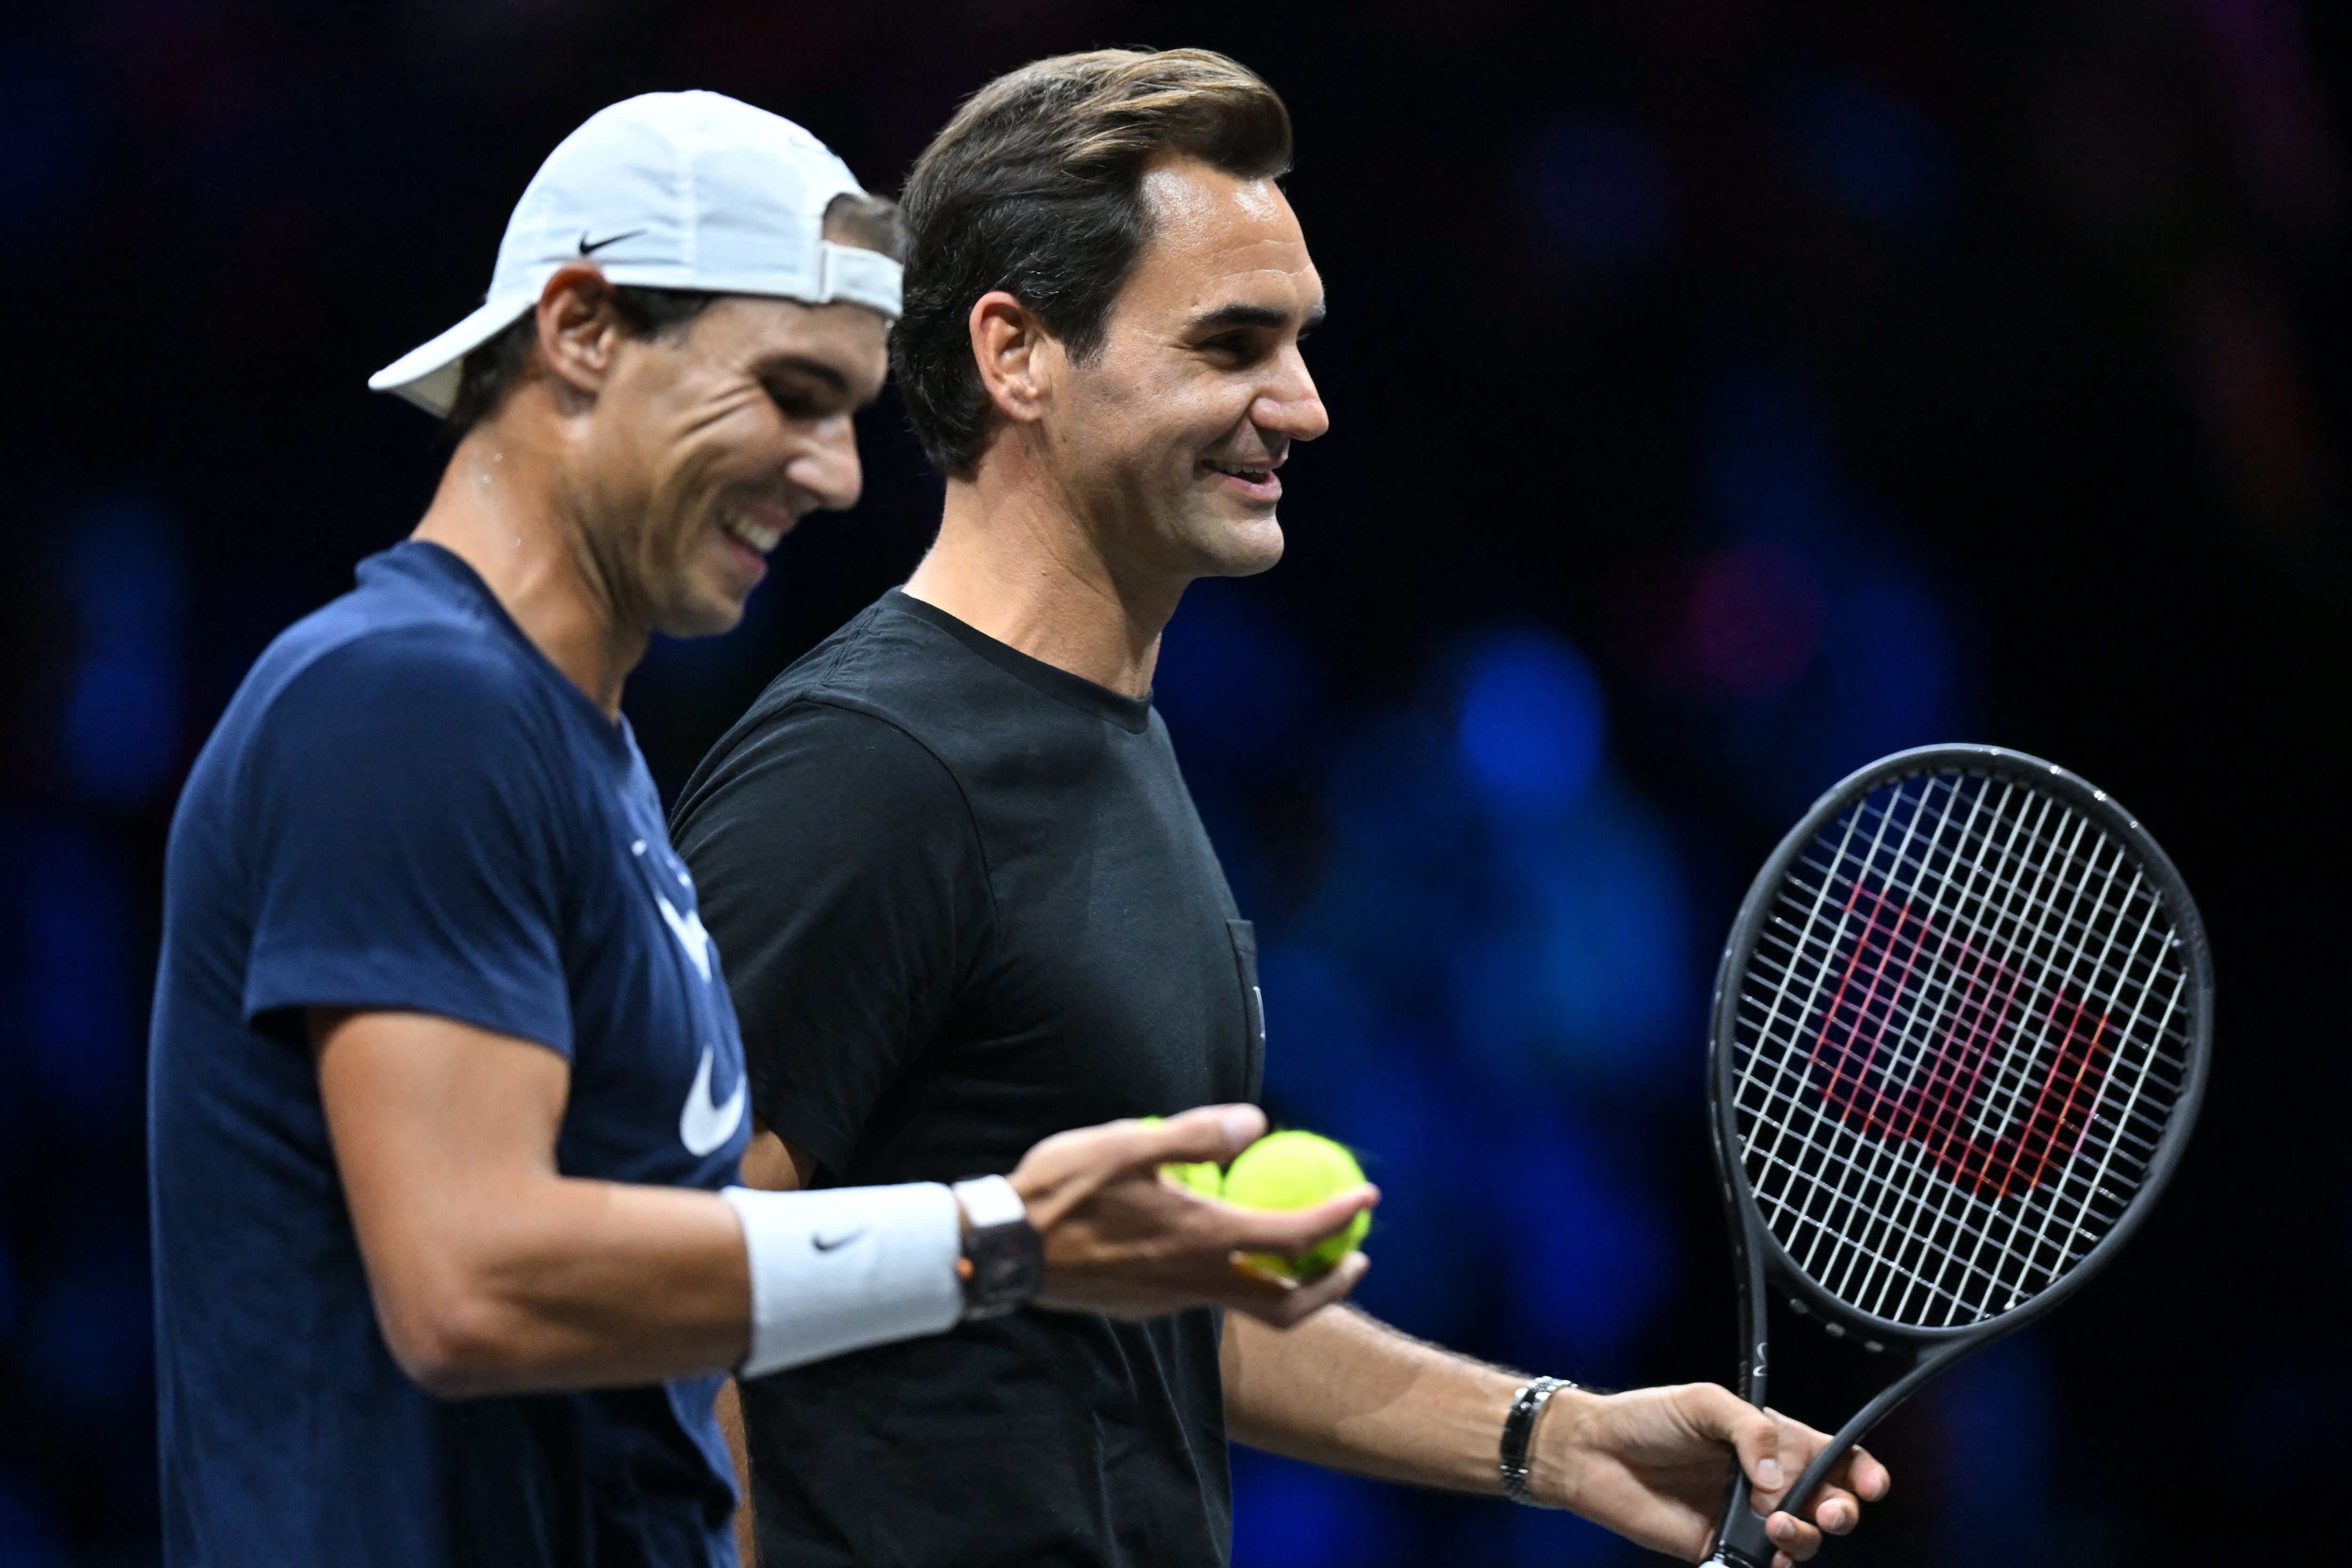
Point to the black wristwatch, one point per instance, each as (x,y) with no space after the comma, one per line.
(1003,1260)
(1518,1432)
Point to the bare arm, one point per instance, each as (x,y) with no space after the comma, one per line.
(1351,1394)
(1346,1392)
(491,1272)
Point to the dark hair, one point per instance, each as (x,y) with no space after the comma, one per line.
(1035,187)
(490,371)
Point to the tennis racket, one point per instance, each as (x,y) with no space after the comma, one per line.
(1959,1037)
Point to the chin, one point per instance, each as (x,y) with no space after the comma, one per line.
(704,618)
(1245,548)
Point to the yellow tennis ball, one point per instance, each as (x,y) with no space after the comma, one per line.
(1203,1177)
(1293,1171)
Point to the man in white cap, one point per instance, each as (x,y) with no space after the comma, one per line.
(447,1093)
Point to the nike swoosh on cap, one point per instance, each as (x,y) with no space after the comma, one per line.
(703,1127)
(589,248)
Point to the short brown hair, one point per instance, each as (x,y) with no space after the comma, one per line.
(1035,187)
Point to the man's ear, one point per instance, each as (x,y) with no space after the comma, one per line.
(1018,358)
(579,329)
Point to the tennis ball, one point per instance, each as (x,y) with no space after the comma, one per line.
(1202,1177)
(1293,1170)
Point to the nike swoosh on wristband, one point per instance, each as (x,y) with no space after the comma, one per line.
(702,1127)
(827,1243)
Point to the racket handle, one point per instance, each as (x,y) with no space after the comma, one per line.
(1739,1537)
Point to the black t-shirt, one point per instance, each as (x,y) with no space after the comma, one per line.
(964,902)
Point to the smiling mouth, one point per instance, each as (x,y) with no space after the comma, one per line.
(1246,475)
(758,536)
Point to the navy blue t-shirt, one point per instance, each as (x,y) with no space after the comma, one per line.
(406,805)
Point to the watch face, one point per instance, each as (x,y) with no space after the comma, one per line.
(1008,1263)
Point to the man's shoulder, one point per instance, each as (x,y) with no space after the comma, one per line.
(888,669)
(890,662)
(408,679)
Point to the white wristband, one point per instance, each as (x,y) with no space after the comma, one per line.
(845,1267)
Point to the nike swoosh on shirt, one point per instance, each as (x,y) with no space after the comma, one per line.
(702,1127)
(690,934)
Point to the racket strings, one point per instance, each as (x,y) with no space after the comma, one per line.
(1957,1042)
(1957,1049)
(1875,975)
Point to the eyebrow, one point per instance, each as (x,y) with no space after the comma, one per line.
(815,368)
(1227,317)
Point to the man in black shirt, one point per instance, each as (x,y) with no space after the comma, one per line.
(966,900)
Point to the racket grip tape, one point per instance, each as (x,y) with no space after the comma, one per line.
(1739,1537)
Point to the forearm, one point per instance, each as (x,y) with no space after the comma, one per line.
(494,1273)
(576,1284)
(573,1284)
(1345,1391)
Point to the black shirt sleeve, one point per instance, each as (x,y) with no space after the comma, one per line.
(841,876)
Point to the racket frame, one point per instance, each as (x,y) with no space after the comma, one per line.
(1762,1265)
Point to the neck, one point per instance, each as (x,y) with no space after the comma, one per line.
(500,508)
(1019,561)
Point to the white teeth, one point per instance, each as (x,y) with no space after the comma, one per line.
(1254,476)
(751,533)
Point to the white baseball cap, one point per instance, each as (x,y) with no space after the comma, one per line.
(670,190)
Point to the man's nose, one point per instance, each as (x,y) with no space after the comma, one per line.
(1292,407)
(827,467)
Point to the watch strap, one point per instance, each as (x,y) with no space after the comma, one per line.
(1003,1260)
(1519,1430)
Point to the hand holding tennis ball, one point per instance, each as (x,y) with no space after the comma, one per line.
(1293,1171)
(1202,1177)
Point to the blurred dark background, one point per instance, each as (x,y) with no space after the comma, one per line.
(1725,393)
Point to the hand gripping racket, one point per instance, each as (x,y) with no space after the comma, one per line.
(1959,1037)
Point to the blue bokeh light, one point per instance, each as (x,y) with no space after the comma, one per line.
(1583,968)
(1591,1256)
(1820,637)
(1235,684)
(70,971)
(122,719)
(1769,472)
(1291,1515)
(1532,721)
(1548,1538)
(1993,1413)
(1892,643)
(29,1534)
(1319,1020)
(89,1336)
(1391,1099)
(1874,151)
(1404,868)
